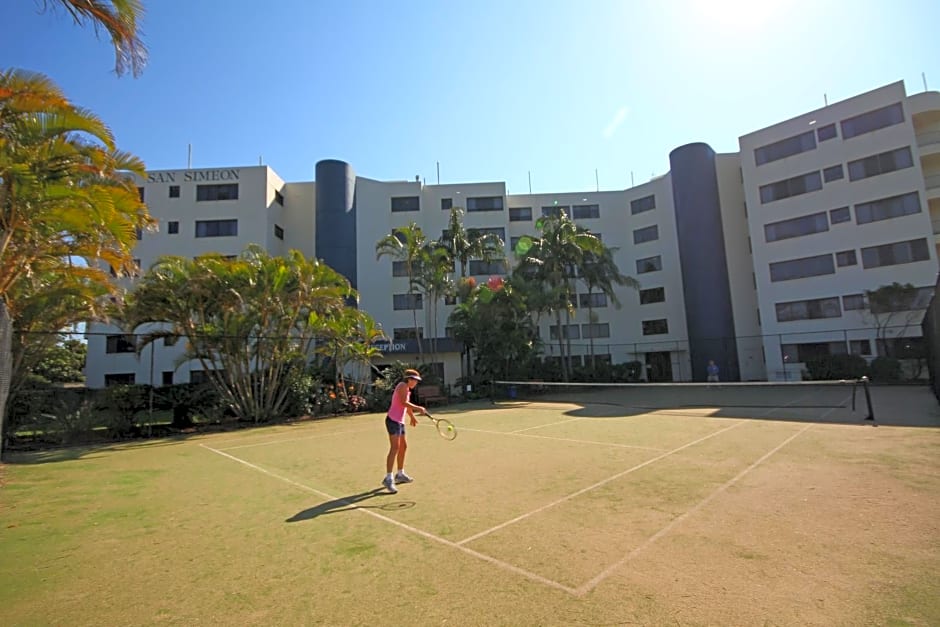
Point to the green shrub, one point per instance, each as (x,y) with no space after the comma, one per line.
(834,367)
(885,369)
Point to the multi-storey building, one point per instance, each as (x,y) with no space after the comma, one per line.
(757,259)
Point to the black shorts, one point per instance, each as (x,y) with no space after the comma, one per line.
(394,428)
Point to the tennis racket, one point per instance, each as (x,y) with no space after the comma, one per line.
(445,428)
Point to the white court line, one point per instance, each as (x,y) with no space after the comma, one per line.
(560,422)
(486,558)
(548,437)
(594,582)
(596,485)
(306,437)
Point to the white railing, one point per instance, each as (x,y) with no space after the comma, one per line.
(928,138)
(932,182)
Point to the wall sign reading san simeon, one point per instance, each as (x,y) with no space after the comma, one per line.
(192,176)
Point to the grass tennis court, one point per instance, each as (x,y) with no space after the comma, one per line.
(583,512)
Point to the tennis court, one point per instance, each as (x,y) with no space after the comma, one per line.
(564,506)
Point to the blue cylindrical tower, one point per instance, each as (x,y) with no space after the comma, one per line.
(336,217)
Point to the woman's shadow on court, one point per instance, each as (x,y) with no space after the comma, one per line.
(349,503)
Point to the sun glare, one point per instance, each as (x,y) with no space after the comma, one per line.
(737,15)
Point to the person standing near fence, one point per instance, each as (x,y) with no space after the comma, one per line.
(712,371)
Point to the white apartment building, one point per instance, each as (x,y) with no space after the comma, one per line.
(756,259)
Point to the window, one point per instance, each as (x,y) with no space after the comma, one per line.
(809,309)
(450,299)
(833,173)
(887,208)
(174,193)
(653,295)
(571,332)
(647,203)
(520,214)
(479,268)
(895,254)
(223,191)
(406,203)
(170,340)
(167,377)
(655,327)
(139,233)
(842,214)
(803,184)
(860,347)
(881,163)
(826,132)
(595,330)
(198,376)
(846,258)
(649,264)
(122,378)
(554,211)
(785,148)
(407,301)
(119,344)
(278,232)
(872,121)
(592,300)
(279,198)
(216,228)
(586,212)
(513,242)
(498,231)
(905,301)
(647,234)
(853,302)
(484,203)
(140,193)
(796,227)
(173,227)
(801,353)
(447,204)
(802,268)
(399,268)
(406,333)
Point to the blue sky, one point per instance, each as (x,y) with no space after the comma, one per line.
(491,90)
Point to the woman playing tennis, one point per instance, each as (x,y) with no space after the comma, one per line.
(395,425)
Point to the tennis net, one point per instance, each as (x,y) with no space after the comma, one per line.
(803,400)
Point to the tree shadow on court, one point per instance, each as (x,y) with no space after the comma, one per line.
(350,503)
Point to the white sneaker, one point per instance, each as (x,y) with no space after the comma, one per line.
(401,477)
(389,483)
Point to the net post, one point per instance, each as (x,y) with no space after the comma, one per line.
(871,410)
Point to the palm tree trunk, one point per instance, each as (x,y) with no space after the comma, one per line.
(561,347)
(591,326)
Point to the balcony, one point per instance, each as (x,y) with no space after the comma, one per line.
(929,143)
(932,183)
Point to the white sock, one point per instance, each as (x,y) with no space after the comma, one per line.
(401,471)
(388,476)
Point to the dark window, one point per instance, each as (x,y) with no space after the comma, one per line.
(172,227)
(649,264)
(139,233)
(860,347)
(513,241)
(592,300)
(826,132)
(585,212)
(279,198)
(881,163)
(785,148)
(406,333)
(167,377)
(905,301)
(655,327)
(852,302)
(140,192)
(571,332)
(407,301)
(647,203)
(595,330)
(846,258)
(647,234)
(796,227)
(216,228)
(554,211)
(833,173)
(842,214)
(447,204)
(520,214)
(174,193)
(803,184)
(480,268)
(872,121)
(498,231)
(801,268)
(121,378)
(119,344)
(198,376)
(895,254)
(406,203)
(801,353)
(399,268)
(809,309)
(887,208)
(450,300)
(653,295)
(170,340)
(223,191)
(485,203)
(278,232)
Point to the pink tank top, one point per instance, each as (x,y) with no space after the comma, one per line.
(396,410)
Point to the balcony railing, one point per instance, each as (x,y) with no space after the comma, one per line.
(932,182)
(928,138)
(936,226)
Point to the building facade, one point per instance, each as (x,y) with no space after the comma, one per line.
(757,259)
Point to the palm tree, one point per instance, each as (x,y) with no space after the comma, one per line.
(553,259)
(435,281)
(407,245)
(464,245)
(121,19)
(599,271)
